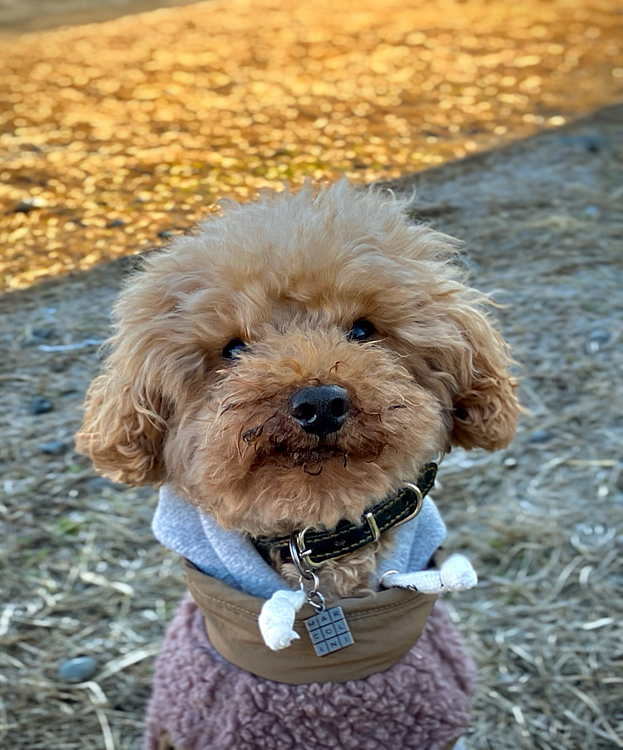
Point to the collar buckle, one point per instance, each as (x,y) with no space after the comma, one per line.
(372,525)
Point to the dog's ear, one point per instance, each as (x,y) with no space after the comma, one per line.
(486,407)
(123,428)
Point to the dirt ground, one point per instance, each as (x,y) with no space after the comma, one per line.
(542,222)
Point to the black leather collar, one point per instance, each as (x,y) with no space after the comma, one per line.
(307,549)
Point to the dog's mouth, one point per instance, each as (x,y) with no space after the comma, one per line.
(311,460)
(276,443)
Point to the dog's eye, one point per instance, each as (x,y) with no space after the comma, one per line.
(361,330)
(234,348)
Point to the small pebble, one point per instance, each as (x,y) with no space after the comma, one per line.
(78,670)
(592,212)
(593,143)
(42,334)
(40,405)
(600,336)
(539,436)
(102,483)
(54,447)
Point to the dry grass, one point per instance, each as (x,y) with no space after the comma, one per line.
(544,624)
(542,522)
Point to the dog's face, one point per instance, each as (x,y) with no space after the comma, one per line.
(295,360)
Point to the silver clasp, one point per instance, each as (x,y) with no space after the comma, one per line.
(301,557)
(314,597)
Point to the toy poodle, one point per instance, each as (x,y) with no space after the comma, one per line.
(289,376)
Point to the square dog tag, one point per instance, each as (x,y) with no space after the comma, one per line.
(329,631)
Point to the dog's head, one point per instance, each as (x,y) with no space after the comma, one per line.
(295,360)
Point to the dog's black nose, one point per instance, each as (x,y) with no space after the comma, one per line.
(320,409)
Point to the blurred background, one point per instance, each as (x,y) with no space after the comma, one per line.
(117,134)
(121,125)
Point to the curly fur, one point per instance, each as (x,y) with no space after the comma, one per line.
(289,275)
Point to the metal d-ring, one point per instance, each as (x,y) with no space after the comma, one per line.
(386,573)
(419,501)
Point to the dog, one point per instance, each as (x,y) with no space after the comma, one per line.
(288,375)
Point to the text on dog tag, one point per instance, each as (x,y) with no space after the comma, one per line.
(329,631)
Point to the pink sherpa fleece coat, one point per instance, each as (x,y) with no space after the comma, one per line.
(206,703)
